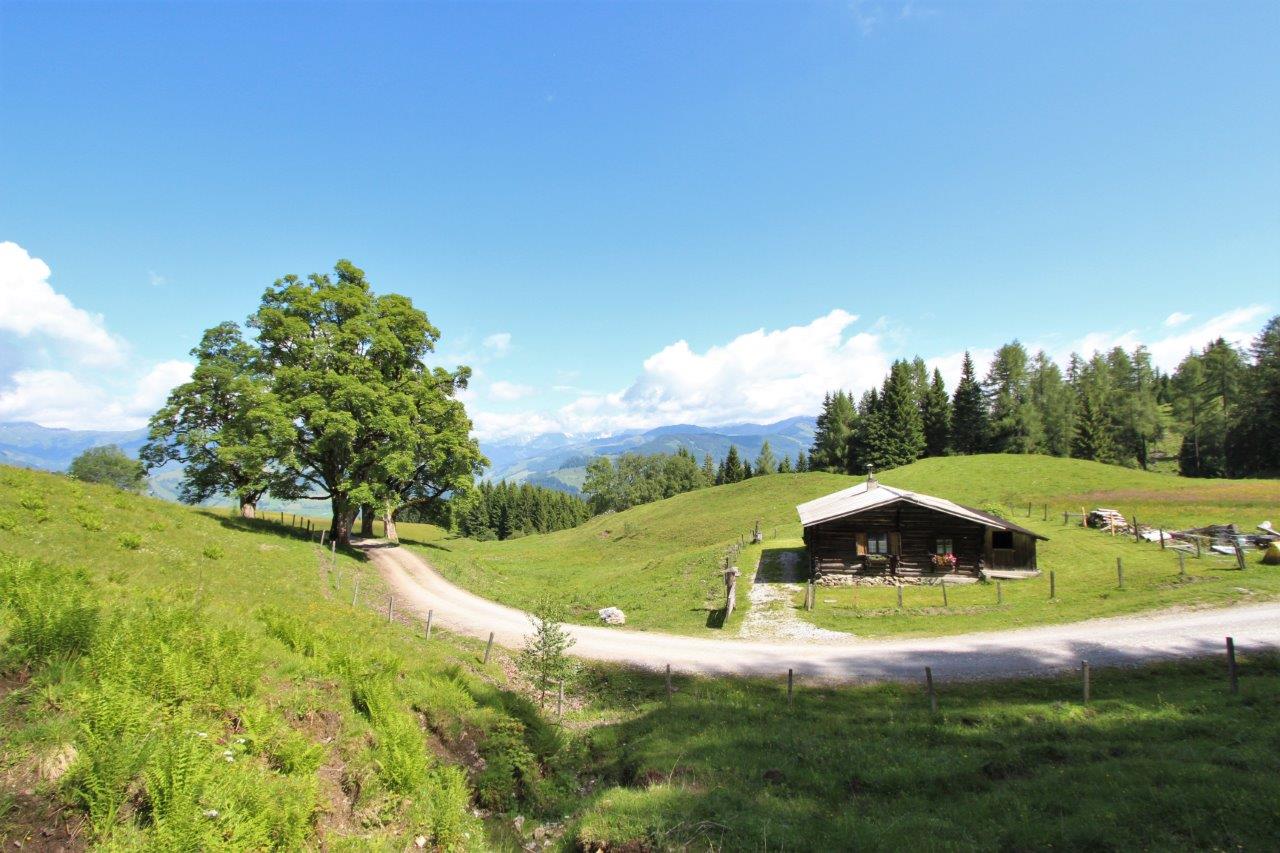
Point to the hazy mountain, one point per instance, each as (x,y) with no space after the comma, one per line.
(559,461)
(550,459)
(32,446)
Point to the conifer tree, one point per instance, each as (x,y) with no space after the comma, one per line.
(785,467)
(802,462)
(733,471)
(969,429)
(709,470)
(831,438)
(1014,422)
(935,415)
(1055,405)
(766,463)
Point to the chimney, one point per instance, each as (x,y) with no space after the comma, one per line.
(871,479)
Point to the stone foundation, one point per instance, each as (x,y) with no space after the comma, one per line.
(889,580)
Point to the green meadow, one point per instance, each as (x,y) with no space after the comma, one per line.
(661,562)
(175,679)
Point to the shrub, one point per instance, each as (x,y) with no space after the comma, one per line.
(7,521)
(213,552)
(52,612)
(399,751)
(129,541)
(113,746)
(88,519)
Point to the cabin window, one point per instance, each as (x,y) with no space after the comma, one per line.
(877,543)
(944,546)
(1001,539)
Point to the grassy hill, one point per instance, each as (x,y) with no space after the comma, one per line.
(660,562)
(174,679)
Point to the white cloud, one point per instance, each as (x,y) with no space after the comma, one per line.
(156,279)
(503,390)
(30,307)
(1238,326)
(58,398)
(499,343)
(758,376)
(1177,318)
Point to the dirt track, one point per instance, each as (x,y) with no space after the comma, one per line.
(1003,654)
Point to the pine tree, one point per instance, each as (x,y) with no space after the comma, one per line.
(802,462)
(732,467)
(1014,422)
(766,463)
(899,437)
(1253,437)
(709,470)
(785,467)
(969,431)
(831,438)
(1092,429)
(1055,405)
(935,415)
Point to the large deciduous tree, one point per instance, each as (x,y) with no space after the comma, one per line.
(224,426)
(347,367)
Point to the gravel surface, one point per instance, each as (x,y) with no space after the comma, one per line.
(1022,652)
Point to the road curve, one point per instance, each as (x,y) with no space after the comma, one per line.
(1003,654)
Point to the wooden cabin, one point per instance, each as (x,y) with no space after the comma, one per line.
(873,529)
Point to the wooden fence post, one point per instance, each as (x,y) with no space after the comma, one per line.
(791,680)
(899,585)
(669,688)
(1053,585)
(1182,563)
(1084,676)
(928,686)
(1136,537)
(1161,538)
(560,701)
(1046,512)
(430,615)
(999,594)
(488,647)
(391,607)
(1197,538)
(1231,665)
(1028,509)
(944,592)
(1064,519)
(1240,557)
(1119,573)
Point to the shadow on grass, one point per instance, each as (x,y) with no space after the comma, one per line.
(782,565)
(1164,756)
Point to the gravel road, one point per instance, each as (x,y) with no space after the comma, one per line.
(1003,654)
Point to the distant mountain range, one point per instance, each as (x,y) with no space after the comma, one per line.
(550,459)
(559,461)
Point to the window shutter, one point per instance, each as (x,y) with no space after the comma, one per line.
(895,542)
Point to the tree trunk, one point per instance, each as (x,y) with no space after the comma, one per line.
(248,508)
(389,523)
(343,521)
(366,521)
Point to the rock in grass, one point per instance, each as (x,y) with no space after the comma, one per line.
(613,616)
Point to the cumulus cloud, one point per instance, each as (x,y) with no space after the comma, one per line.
(1238,327)
(58,398)
(762,375)
(503,390)
(31,308)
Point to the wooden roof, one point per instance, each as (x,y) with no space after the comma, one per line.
(872,494)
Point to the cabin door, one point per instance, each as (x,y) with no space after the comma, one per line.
(895,543)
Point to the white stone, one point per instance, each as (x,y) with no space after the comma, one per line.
(613,616)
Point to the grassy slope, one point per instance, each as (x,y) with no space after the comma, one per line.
(238,631)
(1163,758)
(659,562)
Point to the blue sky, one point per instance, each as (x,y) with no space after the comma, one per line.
(625,214)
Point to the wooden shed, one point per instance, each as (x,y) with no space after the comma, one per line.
(872,528)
